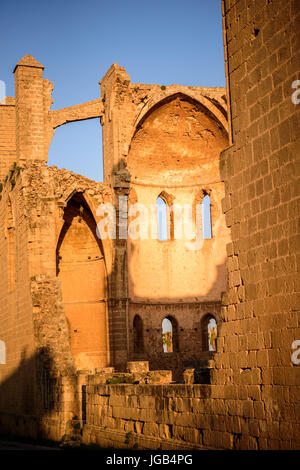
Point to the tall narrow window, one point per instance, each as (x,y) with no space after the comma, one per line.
(138,340)
(169,335)
(2,352)
(206,217)
(162,219)
(210,333)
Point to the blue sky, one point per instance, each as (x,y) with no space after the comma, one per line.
(163,42)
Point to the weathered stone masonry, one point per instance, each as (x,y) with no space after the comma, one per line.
(261,172)
(169,142)
(83,294)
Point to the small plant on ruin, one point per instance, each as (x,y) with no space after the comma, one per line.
(16,168)
(13,172)
(167,339)
(114,380)
(119,380)
(104,98)
(128,437)
(163,87)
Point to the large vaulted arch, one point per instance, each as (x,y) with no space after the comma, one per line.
(82,271)
(179,140)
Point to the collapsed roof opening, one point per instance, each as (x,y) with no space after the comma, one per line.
(77,147)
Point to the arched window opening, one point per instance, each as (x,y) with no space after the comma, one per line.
(138,338)
(169,335)
(77,147)
(206,217)
(2,352)
(11,248)
(162,219)
(210,333)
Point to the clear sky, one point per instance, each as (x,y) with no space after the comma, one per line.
(162,42)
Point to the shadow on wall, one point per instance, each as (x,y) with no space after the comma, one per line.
(32,389)
(32,397)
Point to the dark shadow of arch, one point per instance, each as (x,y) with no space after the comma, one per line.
(138,335)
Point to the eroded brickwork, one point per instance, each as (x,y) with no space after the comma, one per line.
(7,135)
(191,345)
(74,307)
(81,294)
(261,173)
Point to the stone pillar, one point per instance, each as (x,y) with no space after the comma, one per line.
(7,135)
(118,305)
(29,109)
(115,121)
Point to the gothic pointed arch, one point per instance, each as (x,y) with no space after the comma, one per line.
(170,340)
(208,211)
(215,108)
(209,329)
(175,139)
(165,216)
(82,272)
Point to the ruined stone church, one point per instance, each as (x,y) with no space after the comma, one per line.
(181,346)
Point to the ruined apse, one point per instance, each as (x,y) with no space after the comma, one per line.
(79,302)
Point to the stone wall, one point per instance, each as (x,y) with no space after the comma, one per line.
(147,416)
(7,135)
(16,322)
(33,324)
(261,308)
(127,112)
(152,138)
(54,416)
(190,337)
(252,401)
